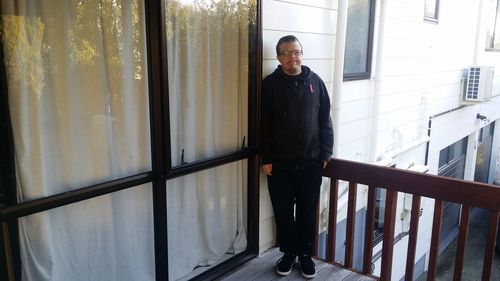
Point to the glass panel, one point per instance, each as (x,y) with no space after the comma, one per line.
(444,157)
(208,47)
(486,132)
(358,24)
(490,129)
(483,154)
(207,214)
(105,238)
(430,9)
(458,149)
(78,93)
(491,24)
(496,28)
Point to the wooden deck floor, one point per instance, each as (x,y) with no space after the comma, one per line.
(262,268)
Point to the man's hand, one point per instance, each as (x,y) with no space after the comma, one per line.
(267,169)
(325,162)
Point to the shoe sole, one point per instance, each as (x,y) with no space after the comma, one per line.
(284,273)
(308,276)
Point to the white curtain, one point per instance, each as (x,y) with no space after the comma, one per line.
(77,86)
(206,222)
(207,44)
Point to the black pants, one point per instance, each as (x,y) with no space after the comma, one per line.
(299,188)
(498,236)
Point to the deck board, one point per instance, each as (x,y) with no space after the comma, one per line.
(263,268)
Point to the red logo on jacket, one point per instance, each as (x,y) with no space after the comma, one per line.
(311,88)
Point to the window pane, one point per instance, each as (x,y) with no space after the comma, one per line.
(208,47)
(206,219)
(105,238)
(444,157)
(453,152)
(430,9)
(358,23)
(77,86)
(458,149)
(496,28)
(491,16)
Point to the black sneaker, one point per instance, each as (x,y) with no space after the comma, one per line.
(307,266)
(285,264)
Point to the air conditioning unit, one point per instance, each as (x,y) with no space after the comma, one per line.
(479,84)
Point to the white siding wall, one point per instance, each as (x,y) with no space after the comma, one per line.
(421,68)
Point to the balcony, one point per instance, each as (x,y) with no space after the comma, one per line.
(361,175)
(468,194)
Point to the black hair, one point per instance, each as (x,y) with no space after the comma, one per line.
(286,39)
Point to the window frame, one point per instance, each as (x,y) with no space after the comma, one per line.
(369,49)
(8,192)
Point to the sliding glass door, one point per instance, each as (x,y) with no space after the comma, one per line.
(117,178)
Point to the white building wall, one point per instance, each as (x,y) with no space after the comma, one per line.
(422,65)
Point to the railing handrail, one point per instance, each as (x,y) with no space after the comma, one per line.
(427,185)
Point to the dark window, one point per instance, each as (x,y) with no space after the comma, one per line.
(451,164)
(483,156)
(486,132)
(431,10)
(443,157)
(452,153)
(359,39)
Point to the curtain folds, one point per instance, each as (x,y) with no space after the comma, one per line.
(206,219)
(207,48)
(77,86)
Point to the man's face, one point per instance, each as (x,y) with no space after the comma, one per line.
(290,57)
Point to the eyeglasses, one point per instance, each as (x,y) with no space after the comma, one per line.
(289,53)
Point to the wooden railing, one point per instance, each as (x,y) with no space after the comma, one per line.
(442,189)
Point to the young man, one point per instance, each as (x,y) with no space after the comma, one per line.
(297,143)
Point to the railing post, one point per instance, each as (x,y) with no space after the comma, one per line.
(462,239)
(412,240)
(490,244)
(388,236)
(370,219)
(332,220)
(436,231)
(351,223)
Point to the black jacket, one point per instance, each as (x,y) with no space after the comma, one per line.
(296,125)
